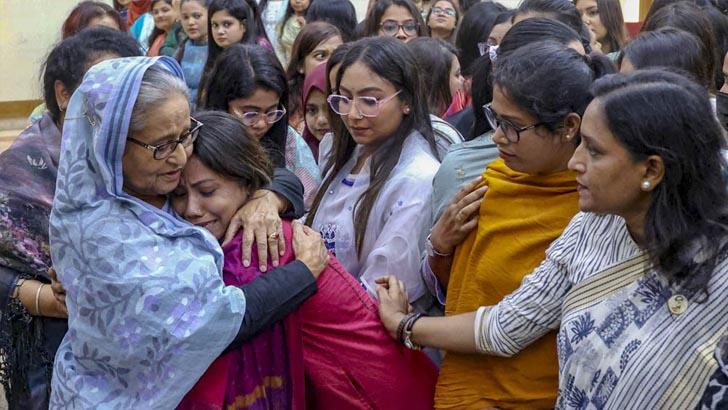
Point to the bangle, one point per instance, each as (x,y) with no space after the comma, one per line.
(37,299)
(408,332)
(402,324)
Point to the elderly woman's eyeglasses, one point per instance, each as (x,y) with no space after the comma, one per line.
(441,10)
(165,150)
(512,133)
(391,27)
(252,117)
(367,106)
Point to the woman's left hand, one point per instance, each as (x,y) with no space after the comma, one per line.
(393,303)
(59,292)
(259,216)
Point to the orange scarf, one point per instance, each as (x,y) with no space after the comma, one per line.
(136,9)
(157,45)
(519,218)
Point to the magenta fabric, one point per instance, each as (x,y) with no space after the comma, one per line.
(263,374)
(339,354)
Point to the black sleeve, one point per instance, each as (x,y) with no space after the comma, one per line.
(286,184)
(271,297)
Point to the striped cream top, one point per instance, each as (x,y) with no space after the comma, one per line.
(628,350)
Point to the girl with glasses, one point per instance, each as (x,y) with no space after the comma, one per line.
(442,19)
(335,340)
(249,83)
(400,19)
(480,252)
(378,188)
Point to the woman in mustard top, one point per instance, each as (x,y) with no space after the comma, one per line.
(540,92)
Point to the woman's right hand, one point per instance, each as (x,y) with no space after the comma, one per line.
(309,248)
(459,218)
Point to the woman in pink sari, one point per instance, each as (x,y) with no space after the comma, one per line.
(333,353)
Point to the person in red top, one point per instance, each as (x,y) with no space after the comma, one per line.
(333,352)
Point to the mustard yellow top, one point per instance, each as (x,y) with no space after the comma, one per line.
(519,218)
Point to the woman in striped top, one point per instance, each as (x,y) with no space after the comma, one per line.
(637,283)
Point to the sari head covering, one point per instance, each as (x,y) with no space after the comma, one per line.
(315,80)
(148,311)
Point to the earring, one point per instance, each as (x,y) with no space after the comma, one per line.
(406,110)
(646,185)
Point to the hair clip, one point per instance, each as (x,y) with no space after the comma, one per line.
(493,53)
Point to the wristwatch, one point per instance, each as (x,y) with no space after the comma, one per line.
(431,251)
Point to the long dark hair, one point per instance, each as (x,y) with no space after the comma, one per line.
(561,10)
(435,57)
(240,9)
(610,14)
(475,27)
(530,74)
(526,32)
(340,13)
(308,38)
(70,59)
(224,146)
(374,18)
(688,17)
(657,49)
(390,59)
(157,31)
(240,71)
(719,22)
(284,20)
(654,112)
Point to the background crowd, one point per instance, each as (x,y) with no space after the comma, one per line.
(241,204)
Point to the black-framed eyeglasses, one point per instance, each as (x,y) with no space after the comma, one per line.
(252,117)
(367,106)
(512,133)
(441,10)
(391,27)
(165,150)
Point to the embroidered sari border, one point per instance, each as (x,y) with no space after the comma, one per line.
(604,284)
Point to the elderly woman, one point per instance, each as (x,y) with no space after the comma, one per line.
(637,283)
(147,305)
(33,323)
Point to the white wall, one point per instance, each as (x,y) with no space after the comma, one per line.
(28,30)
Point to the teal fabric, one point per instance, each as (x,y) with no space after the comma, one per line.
(461,165)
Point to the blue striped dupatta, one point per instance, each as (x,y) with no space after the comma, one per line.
(148,310)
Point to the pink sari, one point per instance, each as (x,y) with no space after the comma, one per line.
(338,355)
